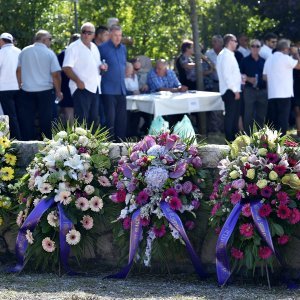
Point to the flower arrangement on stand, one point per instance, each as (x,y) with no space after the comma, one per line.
(8,160)
(158,194)
(256,201)
(61,197)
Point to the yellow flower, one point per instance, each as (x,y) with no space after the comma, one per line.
(10,159)
(262,183)
(273,175)
(292,180)
(262,151)
(4,141)
(1,221)
(244,159)
(250,173)
(239,143)
(7,173)
(234,174)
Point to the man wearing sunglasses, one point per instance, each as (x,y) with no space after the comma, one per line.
(82,64)
(255,94)
(230,85)
(270,42)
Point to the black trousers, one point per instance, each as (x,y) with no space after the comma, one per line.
(30,104)
(9,100)
(279,112)
(232,113)
(86,107)
(116,115)
(256,107)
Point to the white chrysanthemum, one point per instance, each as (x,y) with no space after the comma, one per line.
(48,245)
(52,219)
(82,203)
(80,131)
(46,188)
(96,204)
(87,222)
(73,237)
(89,189)
(83,140)
(62,134)
(29,237)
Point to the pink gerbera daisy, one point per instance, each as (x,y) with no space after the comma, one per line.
(175,203)
(264,252)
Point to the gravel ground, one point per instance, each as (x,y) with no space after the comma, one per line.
(187,287)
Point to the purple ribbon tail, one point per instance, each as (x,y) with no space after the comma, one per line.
(30,223)
(135,234)
(262,225)
(175,221)
(222,261)
(65,225)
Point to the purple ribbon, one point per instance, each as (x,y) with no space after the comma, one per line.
(31,222)
(135,234)
(222,260)
(175,221)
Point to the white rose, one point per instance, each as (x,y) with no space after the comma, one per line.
(89,189)
(80,131)
(83,140)
(62,134)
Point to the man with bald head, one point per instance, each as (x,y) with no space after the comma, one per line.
(82,64)
(160,78)
(38,75)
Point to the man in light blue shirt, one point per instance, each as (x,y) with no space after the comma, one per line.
(38,73)
(161,78)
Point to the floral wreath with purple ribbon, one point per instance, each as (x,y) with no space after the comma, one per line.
(61,197)
(255,201)
(158,193)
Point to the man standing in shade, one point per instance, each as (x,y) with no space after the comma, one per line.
(278,71)
(255,94)
(38,72)
(270,41)
(113,84)
(230,85)
(9,88)
(82,65)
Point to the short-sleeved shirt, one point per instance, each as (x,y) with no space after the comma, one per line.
(279,70)
(251,68)
(113,81)
(85,63)
(156,82)
(37,63)
(8,65)
(190,73)
(265,52)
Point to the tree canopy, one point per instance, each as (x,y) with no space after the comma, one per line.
(157,26)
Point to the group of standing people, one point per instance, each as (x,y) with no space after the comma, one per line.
(259,86)
(97,77)
(31,81)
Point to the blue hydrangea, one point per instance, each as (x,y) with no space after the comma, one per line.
(156,177)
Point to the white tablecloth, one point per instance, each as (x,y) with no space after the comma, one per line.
(175,103)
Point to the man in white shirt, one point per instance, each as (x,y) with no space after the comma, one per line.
(9,86)
(278,71)
(270,41)
(82,64)
(230,85)
(244,45)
